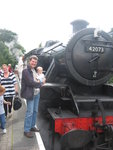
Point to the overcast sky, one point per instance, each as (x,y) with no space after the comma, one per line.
(37,21)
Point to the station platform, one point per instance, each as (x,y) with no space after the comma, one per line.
(14,139)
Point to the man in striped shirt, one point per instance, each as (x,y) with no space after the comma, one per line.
(8,80)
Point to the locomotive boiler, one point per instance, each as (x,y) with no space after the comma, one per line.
(76,103)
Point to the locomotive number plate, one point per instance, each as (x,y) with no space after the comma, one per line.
(95,49)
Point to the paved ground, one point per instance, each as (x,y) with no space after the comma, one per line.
(14,138)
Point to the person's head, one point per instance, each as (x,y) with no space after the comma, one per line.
(2,90)
(33,61)
(9,65)
(5,68)
(39,70)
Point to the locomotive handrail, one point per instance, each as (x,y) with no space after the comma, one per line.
(74,100)
(46,50)
(54,85)
(98,41)
(109,46)
(51,67)
(93,100)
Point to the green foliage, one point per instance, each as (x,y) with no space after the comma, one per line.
(111,30)
(18,46)
(5,56)
(40,45)
(110,80)
(7,36)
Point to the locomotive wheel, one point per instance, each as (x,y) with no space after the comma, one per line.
(75,139)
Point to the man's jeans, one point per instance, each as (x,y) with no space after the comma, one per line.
(2,121)
(31,113)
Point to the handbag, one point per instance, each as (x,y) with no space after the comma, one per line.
(17,103)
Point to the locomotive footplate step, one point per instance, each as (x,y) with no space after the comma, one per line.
(62,114)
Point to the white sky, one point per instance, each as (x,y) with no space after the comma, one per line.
(37,21)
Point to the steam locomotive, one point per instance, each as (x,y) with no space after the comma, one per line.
(76,103)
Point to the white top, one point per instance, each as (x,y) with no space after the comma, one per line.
(40,77)
(36,90)
(1,105)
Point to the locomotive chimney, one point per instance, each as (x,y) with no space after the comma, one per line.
(79,25)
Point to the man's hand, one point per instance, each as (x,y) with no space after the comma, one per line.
(44,81)
(38,80)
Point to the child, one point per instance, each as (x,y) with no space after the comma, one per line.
(40,75)
(2,112)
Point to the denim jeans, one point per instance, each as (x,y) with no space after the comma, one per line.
(31,113)
(2,121)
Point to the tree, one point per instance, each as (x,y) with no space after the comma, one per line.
(7,36)
(111,30)
(7,39)
(40,45)
(18,46)
(5,56)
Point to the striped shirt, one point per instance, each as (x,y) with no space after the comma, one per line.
(8,83)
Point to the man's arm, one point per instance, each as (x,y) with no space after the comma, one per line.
(26,76)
